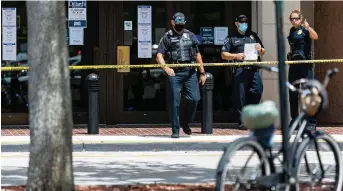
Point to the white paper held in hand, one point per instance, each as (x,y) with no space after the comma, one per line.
(250,52)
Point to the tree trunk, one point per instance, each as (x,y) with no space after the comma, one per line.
(50,165)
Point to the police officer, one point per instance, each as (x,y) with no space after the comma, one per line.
(247,87)
(180,45)
(300,41)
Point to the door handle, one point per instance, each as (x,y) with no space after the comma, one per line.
(104,57)
(120,57)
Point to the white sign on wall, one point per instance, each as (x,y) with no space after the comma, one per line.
(220,33)
(77,14)
(128,25)
(144,31)
(75,36)
(9,34)
(9,17)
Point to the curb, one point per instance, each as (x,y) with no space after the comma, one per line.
(79,140)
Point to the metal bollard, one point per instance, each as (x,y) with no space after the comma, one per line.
(207,105)
(93,103)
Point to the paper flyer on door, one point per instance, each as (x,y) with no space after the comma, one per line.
(144,30)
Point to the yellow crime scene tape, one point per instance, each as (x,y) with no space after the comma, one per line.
(87,67)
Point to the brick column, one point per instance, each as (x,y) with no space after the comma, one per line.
(328,23)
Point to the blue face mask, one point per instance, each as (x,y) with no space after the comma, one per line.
(243,27)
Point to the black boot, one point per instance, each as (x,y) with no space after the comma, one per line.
(191,110)
(175,135)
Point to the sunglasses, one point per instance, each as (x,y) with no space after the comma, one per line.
(179,19)
(243,21)
(294,19)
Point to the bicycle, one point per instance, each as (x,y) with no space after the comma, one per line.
(313,99)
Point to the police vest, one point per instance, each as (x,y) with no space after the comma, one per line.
(181,47)
(299,45)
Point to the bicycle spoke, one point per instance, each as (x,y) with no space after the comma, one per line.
(320,165)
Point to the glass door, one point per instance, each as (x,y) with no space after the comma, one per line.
(143,90)
(220,14)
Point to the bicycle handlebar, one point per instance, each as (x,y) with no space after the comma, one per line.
(330,73)
(313,94)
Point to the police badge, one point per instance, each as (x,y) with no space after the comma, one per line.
(252,37)
(299,32)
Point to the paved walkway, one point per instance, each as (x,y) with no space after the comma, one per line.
(152,130)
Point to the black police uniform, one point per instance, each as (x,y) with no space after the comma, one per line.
(300,46)
(247,83)
(181,48)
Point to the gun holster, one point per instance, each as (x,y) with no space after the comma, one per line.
(289,56)
(295,56)
(192,53)
(295,53)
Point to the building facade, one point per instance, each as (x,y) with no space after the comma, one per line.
(139,95)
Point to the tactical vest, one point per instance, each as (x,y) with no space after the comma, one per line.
(181,47)
(299,47)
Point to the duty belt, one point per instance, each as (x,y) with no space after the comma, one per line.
(249,67)
(246,67)
(182,69)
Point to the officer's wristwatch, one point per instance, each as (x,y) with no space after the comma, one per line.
(203,73)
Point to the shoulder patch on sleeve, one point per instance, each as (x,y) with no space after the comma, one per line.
(226,40)
(161,40)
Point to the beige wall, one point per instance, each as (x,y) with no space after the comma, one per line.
(266,29)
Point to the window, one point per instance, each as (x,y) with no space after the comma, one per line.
(205,14)
(14,85)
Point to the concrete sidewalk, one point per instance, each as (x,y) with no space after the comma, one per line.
(94,168)
(123,168)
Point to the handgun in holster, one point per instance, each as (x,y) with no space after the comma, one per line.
(295,54)
(234,68)
(168,57)
(192,54)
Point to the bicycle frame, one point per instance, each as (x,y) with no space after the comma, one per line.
(301,122)
(276,178)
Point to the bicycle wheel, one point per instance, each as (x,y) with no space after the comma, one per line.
(317,179)
(223,165)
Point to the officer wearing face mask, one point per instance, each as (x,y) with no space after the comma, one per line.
(179,45)
(247,83)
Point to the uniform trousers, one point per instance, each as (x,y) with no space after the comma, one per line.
(184,78)
(295,73)
(247,88)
